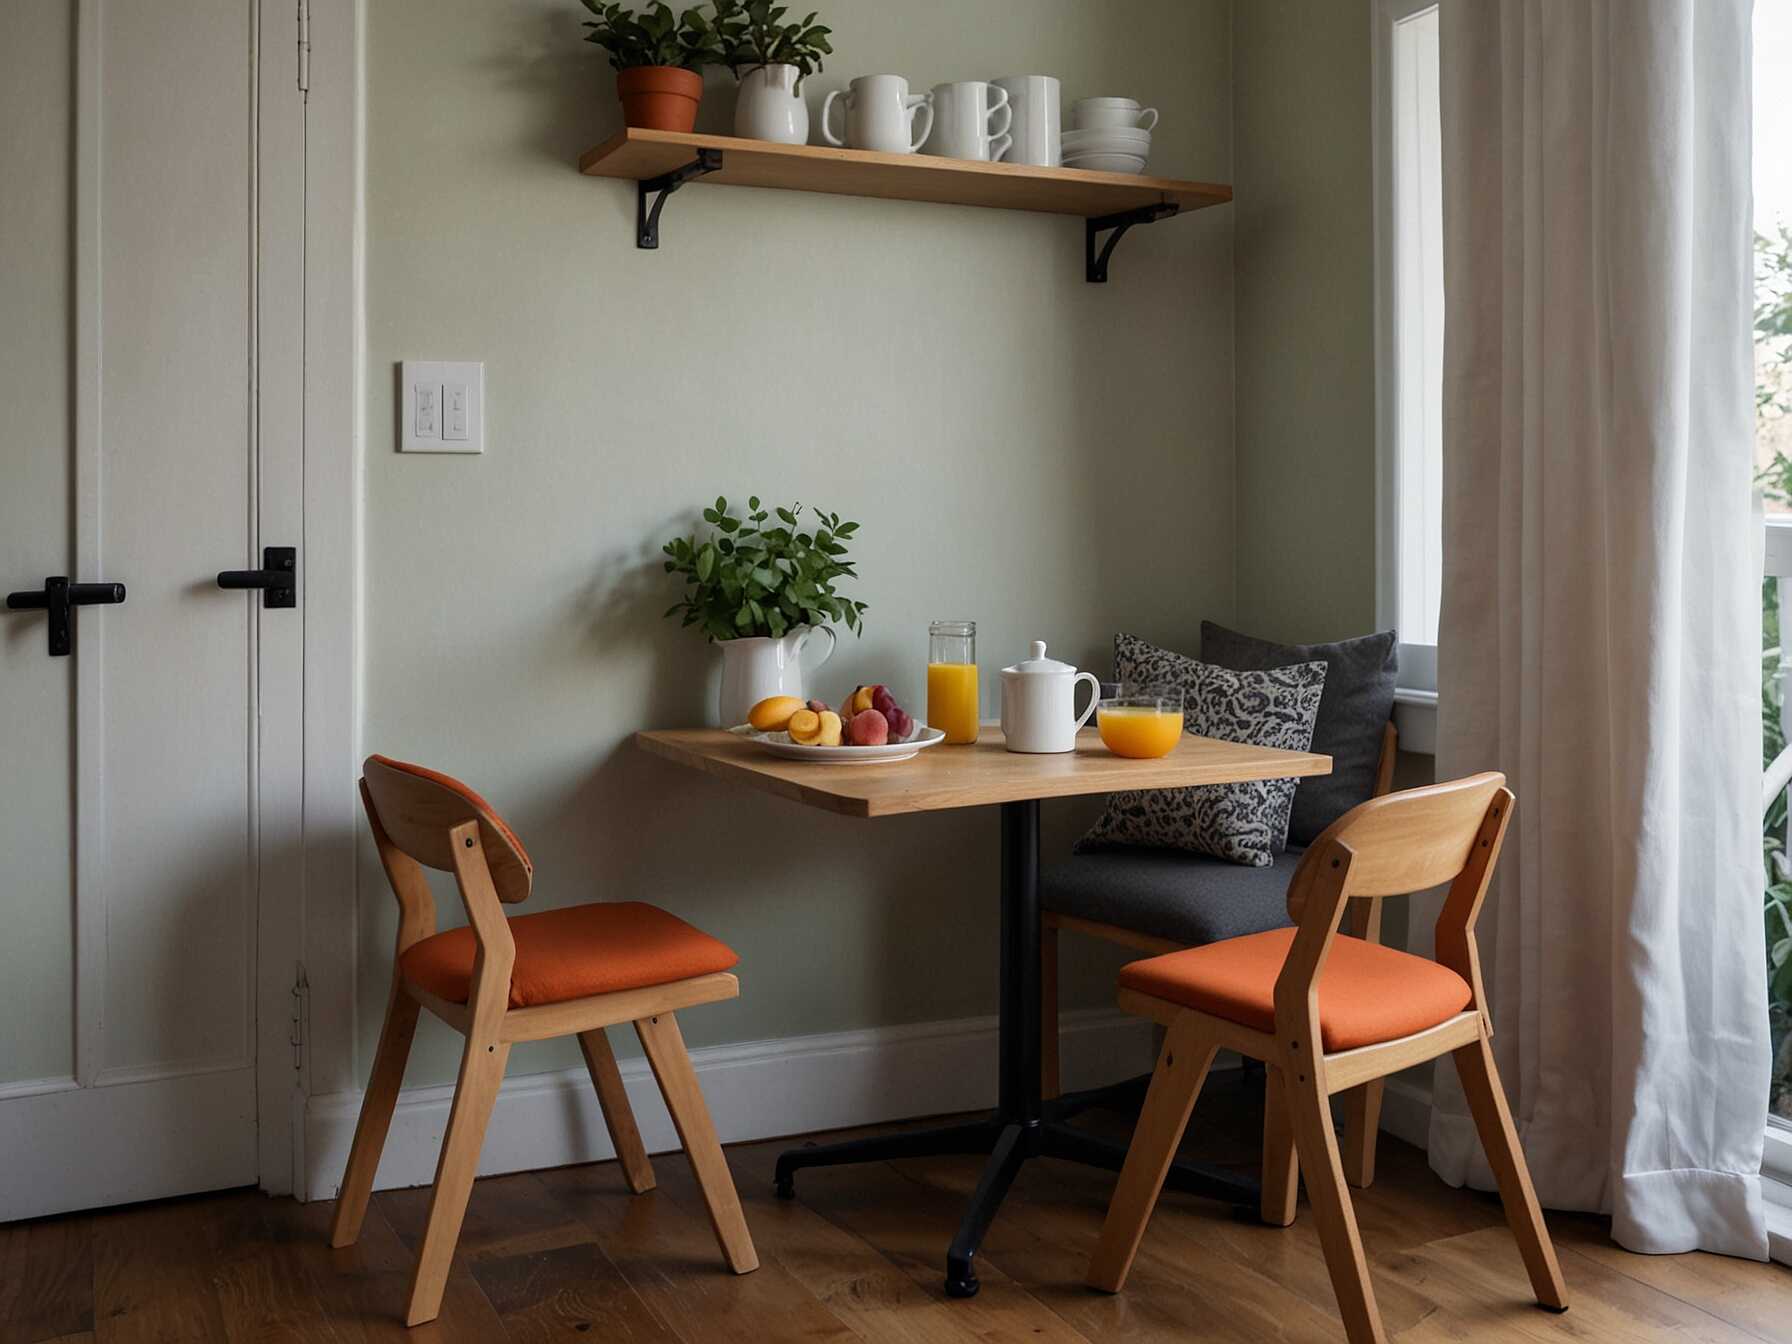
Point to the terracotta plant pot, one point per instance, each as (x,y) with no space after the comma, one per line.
(659,97)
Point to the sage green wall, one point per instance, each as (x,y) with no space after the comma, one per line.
(1051,458)
(1306,318)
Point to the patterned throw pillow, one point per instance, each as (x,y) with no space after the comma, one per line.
(1244,823)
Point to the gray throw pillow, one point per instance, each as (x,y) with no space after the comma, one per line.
(1243,823)
(1358,700)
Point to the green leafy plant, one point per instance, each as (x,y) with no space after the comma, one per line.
(1773,404)
(753,33)
(654,36)
(743,578)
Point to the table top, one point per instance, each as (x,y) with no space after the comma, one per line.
(946,777)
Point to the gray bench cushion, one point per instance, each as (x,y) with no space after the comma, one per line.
(1187,898)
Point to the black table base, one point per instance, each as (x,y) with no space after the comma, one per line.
(1024,1125)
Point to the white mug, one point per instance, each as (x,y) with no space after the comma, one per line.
(880,114)
(970,121)
(1037,125)
(1103,114)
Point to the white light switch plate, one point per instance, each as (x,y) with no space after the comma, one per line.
(442,407)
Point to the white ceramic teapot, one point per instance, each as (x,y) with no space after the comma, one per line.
(1039,703)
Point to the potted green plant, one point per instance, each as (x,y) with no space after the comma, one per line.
(657,56)
(775,57)
(762,593)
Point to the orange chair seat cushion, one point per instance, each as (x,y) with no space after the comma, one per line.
(1367,993)
(573,953)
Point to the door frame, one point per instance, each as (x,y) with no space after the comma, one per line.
(324,933)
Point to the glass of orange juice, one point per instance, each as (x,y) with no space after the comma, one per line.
(952,679)
(1143,724)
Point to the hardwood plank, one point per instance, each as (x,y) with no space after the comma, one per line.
(635,153)
(362,1291)
(46,1278)
(571,1292)
(973,776)
(1483,1291)
(845,1274)
(668,1253)
(152,1272)
(506,1216)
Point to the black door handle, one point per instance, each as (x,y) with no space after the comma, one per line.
(59,597)
(278,578)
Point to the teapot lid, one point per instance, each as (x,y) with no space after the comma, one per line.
(1038,664)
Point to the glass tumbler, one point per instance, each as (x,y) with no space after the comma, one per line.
(952,679)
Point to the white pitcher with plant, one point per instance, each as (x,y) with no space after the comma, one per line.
(771,59)
(762,594)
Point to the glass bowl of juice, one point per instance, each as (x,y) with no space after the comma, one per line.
(1140,724)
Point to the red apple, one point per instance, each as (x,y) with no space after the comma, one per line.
(869,729)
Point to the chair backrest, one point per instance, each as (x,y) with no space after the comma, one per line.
(417,807)
(1415,839)
(1396,845)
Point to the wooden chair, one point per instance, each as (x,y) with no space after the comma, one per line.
(1327,1012)
(1362,1105)
(573,971)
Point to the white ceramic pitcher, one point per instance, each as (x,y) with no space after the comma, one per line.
(1039,703)
(759,666)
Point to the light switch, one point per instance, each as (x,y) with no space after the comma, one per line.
(428,398)
(444,407)
(454,411)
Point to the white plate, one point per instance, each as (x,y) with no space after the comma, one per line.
(1106,163)
(779,744)
(1106,137)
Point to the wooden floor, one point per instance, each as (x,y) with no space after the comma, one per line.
(569,1254)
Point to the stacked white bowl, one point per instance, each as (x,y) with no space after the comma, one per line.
(1111,135)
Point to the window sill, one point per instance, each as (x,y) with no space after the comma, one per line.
(1415,720)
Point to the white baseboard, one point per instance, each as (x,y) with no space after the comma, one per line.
(756,1090)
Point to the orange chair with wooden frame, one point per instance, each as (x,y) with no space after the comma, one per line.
(572,971)
(1328,1012)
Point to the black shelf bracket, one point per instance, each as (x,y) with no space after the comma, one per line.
(647,219)
(1095,264)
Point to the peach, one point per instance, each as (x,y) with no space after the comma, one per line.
(805,727)
(831,729)
(772,714)
(861,699)
(819,706)
(869,729)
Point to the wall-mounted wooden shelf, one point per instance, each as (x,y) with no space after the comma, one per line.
(662,161)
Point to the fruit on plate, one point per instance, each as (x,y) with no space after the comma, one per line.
(862,699)
(869,729)
(772,714)
(819,706)
(831,729)
(804,726)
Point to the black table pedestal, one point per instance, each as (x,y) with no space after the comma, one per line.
(1023,1125)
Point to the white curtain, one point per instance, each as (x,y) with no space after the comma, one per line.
(1600,635)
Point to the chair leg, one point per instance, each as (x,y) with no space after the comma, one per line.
(1181,1069)
(1281,1167)
(1317,1143)
(664,1045)
(475,1091)
(1487,1102)
(619,1117)
(376,1117)
(1050,1079)
(1362,1126)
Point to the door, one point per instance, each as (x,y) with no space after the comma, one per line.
(151,277)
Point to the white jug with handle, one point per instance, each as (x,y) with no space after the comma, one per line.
(756,667)
(1039,703)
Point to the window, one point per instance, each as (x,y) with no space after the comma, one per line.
(1409,331)
(1773,458)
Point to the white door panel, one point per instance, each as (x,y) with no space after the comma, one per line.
(142,959)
